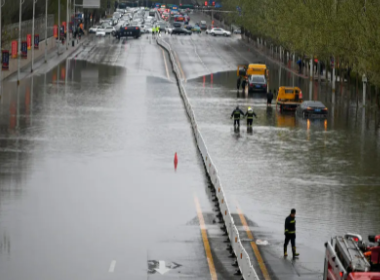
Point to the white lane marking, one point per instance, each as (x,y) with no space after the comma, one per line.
(112,266)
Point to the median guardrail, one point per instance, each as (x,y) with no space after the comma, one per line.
(244,262)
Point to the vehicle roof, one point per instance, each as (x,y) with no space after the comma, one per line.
(259,66)
(284,87)
(308,103)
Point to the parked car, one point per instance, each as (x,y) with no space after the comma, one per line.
(218,32)
(312,109)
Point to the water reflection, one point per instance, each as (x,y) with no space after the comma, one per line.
(329,168)
(26,111)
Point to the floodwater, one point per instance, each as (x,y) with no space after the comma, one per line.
(327,169)
(88,188)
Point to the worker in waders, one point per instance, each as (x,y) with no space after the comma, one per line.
(290,233)
(249,115)
(236,114)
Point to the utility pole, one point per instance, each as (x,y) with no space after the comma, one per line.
(67,24)
(46,19)
(19,42)
(34,13)
(1,76)
(59,23)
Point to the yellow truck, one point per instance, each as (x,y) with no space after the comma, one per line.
(252,69)
(289,98)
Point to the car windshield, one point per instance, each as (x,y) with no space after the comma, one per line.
(257,79)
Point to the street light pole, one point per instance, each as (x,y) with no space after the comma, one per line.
(34,12)
(59,23)
(1,48)
(67,25)
(19,42)
(46,19)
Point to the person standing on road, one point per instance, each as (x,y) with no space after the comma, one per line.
(157,30)
(243,84)
(238,84)
(269,98)
(290,233)
(236,114)
(250,114)
(153,31)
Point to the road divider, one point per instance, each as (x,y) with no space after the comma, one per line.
(236,248)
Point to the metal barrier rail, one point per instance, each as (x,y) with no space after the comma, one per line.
(242,257)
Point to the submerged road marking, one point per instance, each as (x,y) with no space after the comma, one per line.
(166,65)
(112,267)
(206,244)
(259,259)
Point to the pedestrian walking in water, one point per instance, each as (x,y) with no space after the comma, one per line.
(290,233)
(236,114)
(269,98)
(238,83)
(250,114)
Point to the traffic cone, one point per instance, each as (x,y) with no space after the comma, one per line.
(175,161)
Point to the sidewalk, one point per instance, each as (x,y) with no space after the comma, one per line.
(55,51)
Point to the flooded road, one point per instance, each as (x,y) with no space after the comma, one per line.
(88,188)
(326,169)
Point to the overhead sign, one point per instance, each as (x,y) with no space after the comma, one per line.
(91,4)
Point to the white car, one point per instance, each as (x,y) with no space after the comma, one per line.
(94,29)
(105,30)
(218,31)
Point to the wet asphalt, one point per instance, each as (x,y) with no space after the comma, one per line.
(88,188)
(327,170)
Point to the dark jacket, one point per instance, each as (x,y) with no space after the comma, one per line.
(270,95)
(238,83)
(290,225)
(250,115)
(236,113)
(243,83)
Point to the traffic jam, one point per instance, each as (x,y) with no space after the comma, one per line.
(135,22)
(347,256)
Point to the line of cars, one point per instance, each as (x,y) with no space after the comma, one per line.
(131,22)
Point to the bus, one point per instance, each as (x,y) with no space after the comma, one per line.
(173,7)
(157,5)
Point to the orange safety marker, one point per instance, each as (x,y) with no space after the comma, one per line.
(175,161)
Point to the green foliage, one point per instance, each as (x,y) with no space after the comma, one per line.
(344,29)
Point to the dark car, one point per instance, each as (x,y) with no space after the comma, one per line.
(312,109)
(162,26)
(128,31)
(257,83)
(189,27)
(181,30)
(203,25)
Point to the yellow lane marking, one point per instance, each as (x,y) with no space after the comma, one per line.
(166,65)
(210,260)
(253,244)
(180,67)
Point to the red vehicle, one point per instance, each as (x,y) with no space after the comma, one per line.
(349,258)
(179,18)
